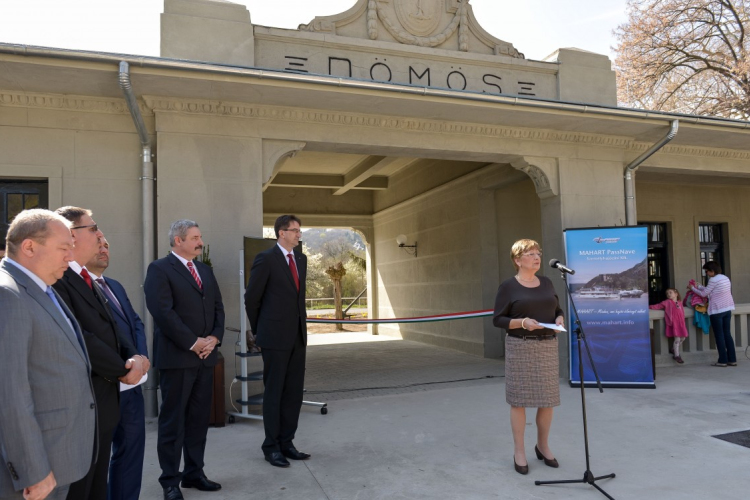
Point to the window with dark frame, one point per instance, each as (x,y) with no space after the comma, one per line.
(17,195)
(657,261)
(711,240)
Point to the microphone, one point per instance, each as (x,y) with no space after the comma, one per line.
(555,264)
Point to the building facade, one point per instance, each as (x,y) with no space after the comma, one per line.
(394,117)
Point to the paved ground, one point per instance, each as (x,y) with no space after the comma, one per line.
(411,439)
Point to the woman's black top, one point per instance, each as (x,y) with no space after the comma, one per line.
(515,301)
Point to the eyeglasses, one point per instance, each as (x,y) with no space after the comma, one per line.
(295,230)
(94,227)
(533,254)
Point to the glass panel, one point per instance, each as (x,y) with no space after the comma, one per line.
(30,201)
(15,206)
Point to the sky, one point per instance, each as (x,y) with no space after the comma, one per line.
(535,27)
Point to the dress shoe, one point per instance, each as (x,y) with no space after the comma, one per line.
(201,483)
(547,462)
(679,359)
(173,493)
(294,454)
(276,459)
(521,469)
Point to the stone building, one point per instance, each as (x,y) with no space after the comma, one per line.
(394,117)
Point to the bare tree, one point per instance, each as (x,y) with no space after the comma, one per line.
(686,56)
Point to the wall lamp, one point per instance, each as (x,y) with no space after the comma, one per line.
(401,242)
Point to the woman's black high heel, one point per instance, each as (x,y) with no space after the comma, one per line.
(547,462)
(521,469)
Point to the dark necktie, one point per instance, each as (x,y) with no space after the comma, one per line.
(110,296)
(191,267)
(52,296)
(86,277)
(293,268)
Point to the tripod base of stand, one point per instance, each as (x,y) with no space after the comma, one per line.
(588,478)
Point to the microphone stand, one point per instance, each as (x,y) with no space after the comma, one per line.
(588,476)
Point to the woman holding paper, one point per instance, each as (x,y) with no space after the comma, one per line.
(526,306)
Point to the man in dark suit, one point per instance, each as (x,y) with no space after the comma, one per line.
(184,299)
(275,305)
(113,356)
(129,441)
(47,409)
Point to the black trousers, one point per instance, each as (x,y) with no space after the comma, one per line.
(183,422)
(93,486)
(284,381)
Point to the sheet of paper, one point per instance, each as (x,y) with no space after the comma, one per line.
(553,326)
(127,387)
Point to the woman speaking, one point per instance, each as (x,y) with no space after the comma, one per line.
(531,356)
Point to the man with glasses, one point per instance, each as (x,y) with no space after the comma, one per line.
(113,356)
(275,305)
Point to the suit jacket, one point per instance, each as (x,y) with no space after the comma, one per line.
(128,320)
(182,312)
(47,410)
(274,306)
(108,347)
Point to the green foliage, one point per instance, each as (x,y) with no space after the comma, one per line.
(206,256)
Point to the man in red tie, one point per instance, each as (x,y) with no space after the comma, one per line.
(275,305)
(184,298)
(114,357)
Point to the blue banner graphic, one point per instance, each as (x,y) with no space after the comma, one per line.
(610,290)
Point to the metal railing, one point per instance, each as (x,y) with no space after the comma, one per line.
(698,347)
(358,302)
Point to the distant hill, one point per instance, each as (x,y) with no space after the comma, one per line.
(635,277)
(315,238)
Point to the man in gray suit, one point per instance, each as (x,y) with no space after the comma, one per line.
(47,414)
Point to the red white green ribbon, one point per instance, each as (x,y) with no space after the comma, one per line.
(416,319)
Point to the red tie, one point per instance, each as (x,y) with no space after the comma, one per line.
(293,268)
(86,277)
(195,274)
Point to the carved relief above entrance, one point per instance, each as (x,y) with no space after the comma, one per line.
(446,24)
(418,17)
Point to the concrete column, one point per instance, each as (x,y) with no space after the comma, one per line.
(590,194)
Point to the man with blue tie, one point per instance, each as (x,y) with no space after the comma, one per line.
(129,440)
(47,409)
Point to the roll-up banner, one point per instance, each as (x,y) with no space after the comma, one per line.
(610,290)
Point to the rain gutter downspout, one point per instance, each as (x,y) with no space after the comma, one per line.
(147,185)
(630,217)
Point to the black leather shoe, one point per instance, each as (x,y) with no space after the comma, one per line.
(294,454)
(173,493)
(521,469)
(547,462)
(202,483)
(276,459)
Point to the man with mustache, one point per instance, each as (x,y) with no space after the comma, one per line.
(184,299)
(113,356)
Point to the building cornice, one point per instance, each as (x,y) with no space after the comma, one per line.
(671,149)
(153,104)
(86,104)
(321,117)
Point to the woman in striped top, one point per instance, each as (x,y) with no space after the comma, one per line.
(720,307)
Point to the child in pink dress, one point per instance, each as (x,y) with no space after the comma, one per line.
(674,317)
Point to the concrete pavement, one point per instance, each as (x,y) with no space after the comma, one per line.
(452,440)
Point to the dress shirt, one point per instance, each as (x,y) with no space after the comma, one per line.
(185,263)
(36,279)
(287,253)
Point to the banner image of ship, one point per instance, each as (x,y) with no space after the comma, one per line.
(609,290)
